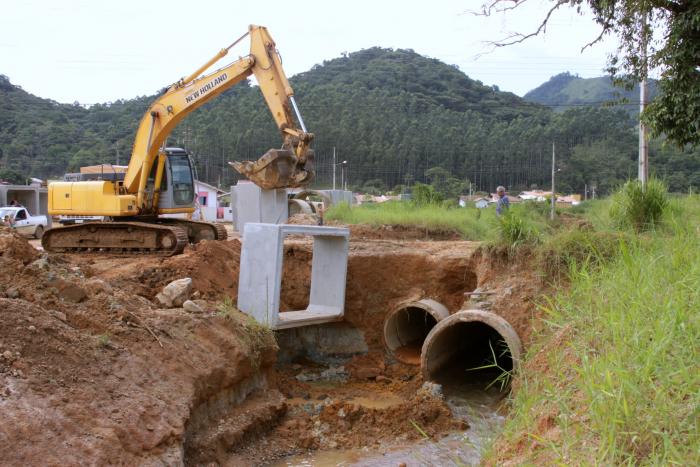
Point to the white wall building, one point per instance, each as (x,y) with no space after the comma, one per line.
(207,201)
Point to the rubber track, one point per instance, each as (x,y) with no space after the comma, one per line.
(221,233)
(180,237)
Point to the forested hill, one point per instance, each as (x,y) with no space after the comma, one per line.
(396,117)
(429,81)
(565,90)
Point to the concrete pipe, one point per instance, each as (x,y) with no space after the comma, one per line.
(468,340)
(299,206)
(406,327)
(307,196)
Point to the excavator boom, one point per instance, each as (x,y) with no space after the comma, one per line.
(160,180)
(289,167)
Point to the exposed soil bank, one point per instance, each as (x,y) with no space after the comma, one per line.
(91,372)
(91,369)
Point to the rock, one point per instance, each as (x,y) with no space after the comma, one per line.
(7,355)
(97,286)
(72,293)
(12,293)
(192,307)
(32,328)
(58,315)
(176,293)
(41,263)
(430,389)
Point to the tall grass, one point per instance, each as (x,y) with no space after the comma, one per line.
(641,207)
(523,220)
(615,380)
(466,221)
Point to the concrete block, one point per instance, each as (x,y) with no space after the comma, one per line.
(338,196)
(253,204)
(260,277)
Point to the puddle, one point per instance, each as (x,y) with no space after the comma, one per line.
(467,401)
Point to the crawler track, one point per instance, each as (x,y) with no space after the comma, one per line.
(120,238)
(197,230)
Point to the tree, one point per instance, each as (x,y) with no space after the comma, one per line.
(674,51)
(12,176)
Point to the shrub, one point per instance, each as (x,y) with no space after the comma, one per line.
(641,207)
(570,249)
(424,195)
(514,230)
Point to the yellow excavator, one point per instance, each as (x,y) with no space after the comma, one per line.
(159,180)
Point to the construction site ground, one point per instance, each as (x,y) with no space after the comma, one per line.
(93,370)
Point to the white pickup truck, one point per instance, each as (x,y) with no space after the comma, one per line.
(19,219)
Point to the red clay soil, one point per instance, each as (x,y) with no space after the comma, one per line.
(91,370)
(91,373)
(400,232)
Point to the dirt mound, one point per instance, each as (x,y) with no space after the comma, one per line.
(303,219)
(400,232)
(212,266)
(92,372)
(14,246)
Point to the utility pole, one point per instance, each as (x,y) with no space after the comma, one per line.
(643,169)
(551,214)
(334,167)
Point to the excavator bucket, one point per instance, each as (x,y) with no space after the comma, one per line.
(277,168)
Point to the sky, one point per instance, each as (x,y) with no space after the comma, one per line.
(95,51)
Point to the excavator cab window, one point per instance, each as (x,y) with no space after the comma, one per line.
(181,176)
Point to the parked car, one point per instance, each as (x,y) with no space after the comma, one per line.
(18,218)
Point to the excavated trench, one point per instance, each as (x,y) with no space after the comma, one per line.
(115,378)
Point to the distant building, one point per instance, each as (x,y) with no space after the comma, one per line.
(207,201)
(481,203)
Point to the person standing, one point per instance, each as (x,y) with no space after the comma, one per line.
(503,204)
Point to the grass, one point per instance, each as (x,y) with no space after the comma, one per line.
(470,223)
(614,378)
(257,337)
(104,340)
(640,207)
(433,217)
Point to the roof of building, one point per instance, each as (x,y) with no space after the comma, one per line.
(206,185)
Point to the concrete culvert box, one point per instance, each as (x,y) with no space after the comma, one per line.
(468,340)
(406,327)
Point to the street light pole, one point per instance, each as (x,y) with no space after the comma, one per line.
(551,214)
(334,167)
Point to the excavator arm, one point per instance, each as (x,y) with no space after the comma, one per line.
(289,167)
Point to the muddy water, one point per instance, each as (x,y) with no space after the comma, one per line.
(468,401)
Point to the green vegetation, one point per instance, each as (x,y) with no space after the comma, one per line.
(612,379)
(397,117)
(466,221)
(565,90)
(515,229)
(653,35)
(104,340)
(226,308)
(640,207)
(425,195)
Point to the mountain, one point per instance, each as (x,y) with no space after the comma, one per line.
(397,117)
(565,90)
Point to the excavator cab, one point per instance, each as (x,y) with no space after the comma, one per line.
(177,186)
